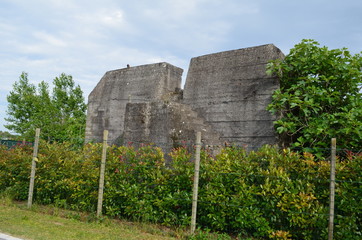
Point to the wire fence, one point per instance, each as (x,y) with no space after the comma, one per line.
(12,143)
(228,187)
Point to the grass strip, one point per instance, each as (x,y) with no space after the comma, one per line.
(44,223)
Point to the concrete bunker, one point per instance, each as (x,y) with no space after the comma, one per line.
(225,97)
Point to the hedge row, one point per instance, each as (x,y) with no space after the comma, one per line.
(269,193)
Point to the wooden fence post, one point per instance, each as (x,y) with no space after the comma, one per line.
(101,175)
(33,167)
(196,182)
(332,189)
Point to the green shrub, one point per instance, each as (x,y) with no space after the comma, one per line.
(269,193)
(15,165)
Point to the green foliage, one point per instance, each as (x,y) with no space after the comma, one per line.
(207,235)
(60,115)
(21,105)
(319,97)
(70,108)
(349,202)
(264,194)
(8,136)
(134,183)
(15,165)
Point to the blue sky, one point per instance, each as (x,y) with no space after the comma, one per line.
(87,38)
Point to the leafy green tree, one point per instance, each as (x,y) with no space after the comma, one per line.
(21,107)
(319,97)
(60,115)
(68,102)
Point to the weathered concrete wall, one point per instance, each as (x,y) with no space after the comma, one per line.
(225,97)
(166,124)
(231,91)
(107,102)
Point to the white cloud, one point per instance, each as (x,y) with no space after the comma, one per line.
(113,18)
(60,4)
(170,10)
(105,17)
(6,29)
(87,38)
(49,39)
(40,45)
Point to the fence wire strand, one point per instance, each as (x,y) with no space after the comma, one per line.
(190,144)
